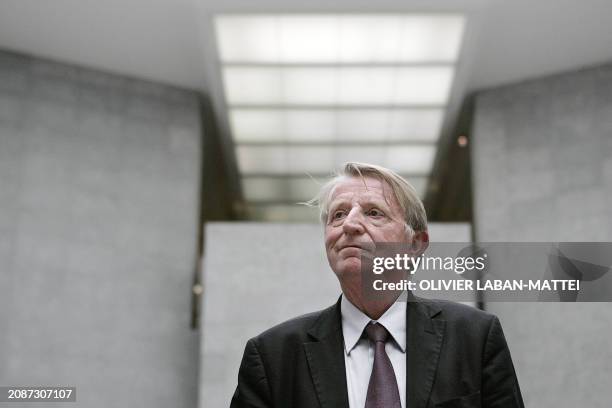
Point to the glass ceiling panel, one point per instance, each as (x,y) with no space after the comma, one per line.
(298,189)
(295,189)
(411,159)
(345,38)
(283,213)
(281,125)
(335,125)
(337,86)
(407,125)
(284,160)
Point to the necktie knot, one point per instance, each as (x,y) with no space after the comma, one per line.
(376,332)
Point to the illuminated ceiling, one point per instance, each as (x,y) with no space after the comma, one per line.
(306,92)
(173,42)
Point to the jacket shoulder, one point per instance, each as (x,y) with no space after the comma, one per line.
(461,316)
(295,328)
(457,310)
(465,325)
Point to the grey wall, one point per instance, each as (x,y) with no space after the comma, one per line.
(257,275)
(99,184)
(542,171)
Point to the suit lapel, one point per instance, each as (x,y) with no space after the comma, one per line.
(325,357)
(423,342)
(325,354)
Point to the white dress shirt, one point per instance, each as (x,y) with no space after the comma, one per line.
(359,353)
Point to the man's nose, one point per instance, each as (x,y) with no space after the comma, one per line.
(353,224)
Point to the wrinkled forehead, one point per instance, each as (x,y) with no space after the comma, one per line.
(367,188)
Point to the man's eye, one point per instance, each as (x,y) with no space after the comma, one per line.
(337,215)
(375,213)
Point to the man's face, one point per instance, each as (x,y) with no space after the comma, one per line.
(362,211)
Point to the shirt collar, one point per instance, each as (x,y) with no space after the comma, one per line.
(354,322)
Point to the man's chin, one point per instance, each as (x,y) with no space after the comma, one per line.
(350,266)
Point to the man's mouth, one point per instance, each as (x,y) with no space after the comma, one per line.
(363,249)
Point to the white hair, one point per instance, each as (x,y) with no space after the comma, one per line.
(405,194)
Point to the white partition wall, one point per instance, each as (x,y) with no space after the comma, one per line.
(256,275)
(99,181)
(542,171)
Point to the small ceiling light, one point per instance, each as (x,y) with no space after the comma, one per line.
(197,289)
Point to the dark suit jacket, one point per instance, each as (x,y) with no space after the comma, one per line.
(456,356)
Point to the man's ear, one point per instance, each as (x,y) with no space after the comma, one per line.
(420,242)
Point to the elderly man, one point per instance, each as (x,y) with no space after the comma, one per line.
(377,352)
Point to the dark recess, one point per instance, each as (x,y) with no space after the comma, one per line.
(449,192)
(218,194)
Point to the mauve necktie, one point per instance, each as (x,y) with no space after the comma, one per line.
(382,390)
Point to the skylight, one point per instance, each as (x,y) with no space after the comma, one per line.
(339,39)
(305,93)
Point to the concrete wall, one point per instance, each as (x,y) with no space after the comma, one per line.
(99,184)
(542,171)
(257,275)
